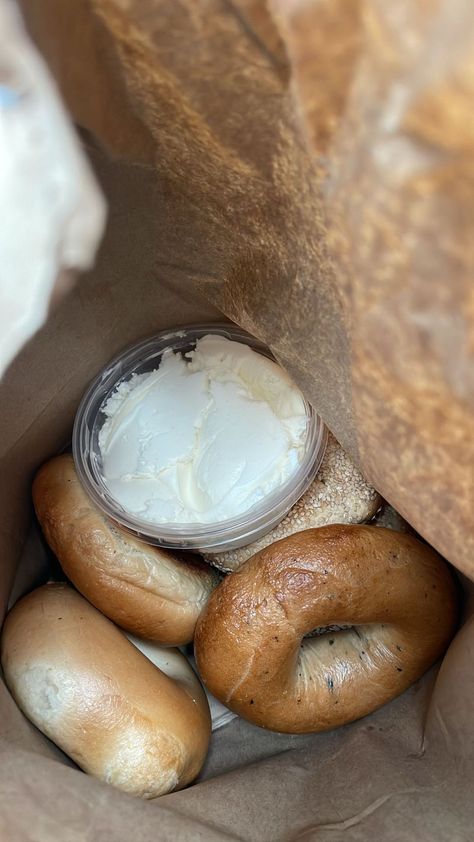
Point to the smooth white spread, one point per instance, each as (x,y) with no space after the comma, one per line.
(204,437)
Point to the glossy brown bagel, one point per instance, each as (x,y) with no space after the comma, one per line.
(396,593)
(145,590)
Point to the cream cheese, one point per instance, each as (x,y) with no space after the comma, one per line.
(204,437)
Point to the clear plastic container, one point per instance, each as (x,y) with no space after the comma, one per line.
(225,535)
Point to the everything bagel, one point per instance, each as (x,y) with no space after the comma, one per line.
(396,594)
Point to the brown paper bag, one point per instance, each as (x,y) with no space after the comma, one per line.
(307,170)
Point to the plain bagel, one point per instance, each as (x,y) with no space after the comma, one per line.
(396,594)
(83,684)
(146,590)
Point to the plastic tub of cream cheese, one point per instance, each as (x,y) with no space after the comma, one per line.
(197,439)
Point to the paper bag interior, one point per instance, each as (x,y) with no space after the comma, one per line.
(323,212)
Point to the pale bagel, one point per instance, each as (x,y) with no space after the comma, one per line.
(82,683)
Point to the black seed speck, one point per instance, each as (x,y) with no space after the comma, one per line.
(399,648)
(276,637)
(298,701)
(399,669)
(251,701)
(331,642)
(330,682)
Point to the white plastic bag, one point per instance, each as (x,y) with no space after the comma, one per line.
(52,211)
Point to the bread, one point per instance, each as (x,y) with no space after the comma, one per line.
(146,590)
(339,494)
(83,684)
(396,593)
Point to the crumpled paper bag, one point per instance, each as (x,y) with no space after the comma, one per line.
(306,165)
(314,163)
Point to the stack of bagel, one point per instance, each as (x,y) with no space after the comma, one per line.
(311,631)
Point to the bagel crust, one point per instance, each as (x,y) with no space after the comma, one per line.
(146,590)
(90,690)
(397,595)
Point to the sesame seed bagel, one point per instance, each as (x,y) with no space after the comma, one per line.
(146,590)
(339,494)
(396,594)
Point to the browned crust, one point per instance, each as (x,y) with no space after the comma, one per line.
(146,590)
(397,592)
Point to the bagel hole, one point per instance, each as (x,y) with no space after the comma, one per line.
(331,629)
